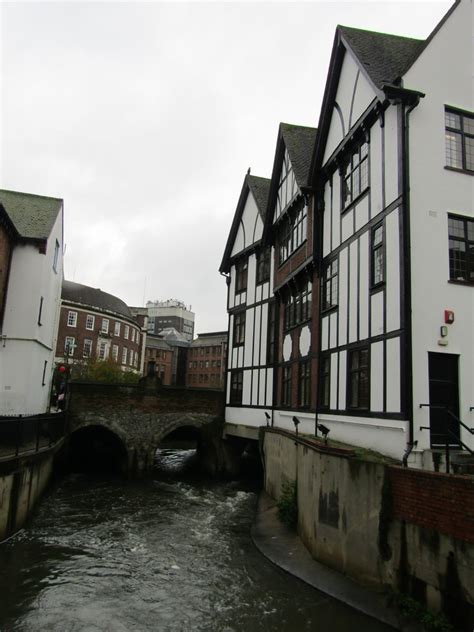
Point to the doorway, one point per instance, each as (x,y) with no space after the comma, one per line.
(444,392)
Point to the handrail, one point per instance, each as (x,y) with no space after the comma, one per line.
(21,435)
(436,407)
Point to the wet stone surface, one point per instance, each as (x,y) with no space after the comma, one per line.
(172,553)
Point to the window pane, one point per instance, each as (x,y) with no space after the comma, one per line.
(457,260)
(378,265)
(456,227)
(354,390)
(470,230)
(378,235)
(364,175)
(468,124)
(452,120)
(469,144)
(453,150)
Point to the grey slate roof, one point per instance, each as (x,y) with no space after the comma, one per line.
(174,338)
(94,298)
(212,338)
(299,141)
(32,215)
(155,342)
(260,188)
(385,57)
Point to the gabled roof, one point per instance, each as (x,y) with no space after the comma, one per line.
(33,216)
(385,58)
(259,188)
(299,142)
(94,298)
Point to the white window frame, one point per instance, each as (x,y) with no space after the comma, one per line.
(105,326)
(115,353)
(72,319)
(124,355)
(125,331)
(117,328)
(102,351)
(87,349)
(69,345)
(90,322)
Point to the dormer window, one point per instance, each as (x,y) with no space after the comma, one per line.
(355,174)
(459,135)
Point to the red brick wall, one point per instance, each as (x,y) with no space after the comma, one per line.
(80,333)
(163,360)
(443,502)
(198,375)
(305,251)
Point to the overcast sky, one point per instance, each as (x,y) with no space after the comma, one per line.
(144,118)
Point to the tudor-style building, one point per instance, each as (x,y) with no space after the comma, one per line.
(31,267)
(289,230)
(388,212)
(393,165)
(249,269)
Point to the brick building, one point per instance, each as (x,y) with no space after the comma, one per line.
(95,325)
(158,359)
(168,314)
(207,360)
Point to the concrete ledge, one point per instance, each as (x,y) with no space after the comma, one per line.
(284,548)
(239,430)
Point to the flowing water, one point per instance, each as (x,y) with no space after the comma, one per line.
(172,553)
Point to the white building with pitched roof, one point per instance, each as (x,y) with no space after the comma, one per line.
(32,298)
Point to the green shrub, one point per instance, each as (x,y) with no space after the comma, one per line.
(288,504)
(413,610)
(104,371)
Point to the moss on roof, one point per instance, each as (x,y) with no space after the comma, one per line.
(32,215)
(299,141)
(385,57)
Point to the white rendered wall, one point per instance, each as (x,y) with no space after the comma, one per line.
(26,346)
(435,192)
(354,95)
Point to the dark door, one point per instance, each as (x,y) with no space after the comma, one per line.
(444,392)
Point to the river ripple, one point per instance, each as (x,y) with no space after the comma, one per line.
(167,554)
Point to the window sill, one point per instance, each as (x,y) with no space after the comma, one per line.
(455,282)
(377,288)
(458,170)
(354,202)
(329,310)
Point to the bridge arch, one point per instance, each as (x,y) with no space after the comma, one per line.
(95,447)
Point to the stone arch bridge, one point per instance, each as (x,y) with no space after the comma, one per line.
(135,420)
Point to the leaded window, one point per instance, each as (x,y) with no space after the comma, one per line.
(461,248)
(286,386)
(239,329)
(287,188)
(359,379)
(330,284)
(298,307)
(325,381)
(377,267)
(263,265)
(236,387)
(293,232)
(355,174)
(304,384)
(459,137)
(241,276)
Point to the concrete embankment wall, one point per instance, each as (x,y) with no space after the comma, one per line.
(390,528)
(20,489)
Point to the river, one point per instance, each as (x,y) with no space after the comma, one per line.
(171,553)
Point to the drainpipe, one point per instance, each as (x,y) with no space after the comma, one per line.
(408,99)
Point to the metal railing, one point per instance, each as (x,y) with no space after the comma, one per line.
(26,435)
(448,433)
